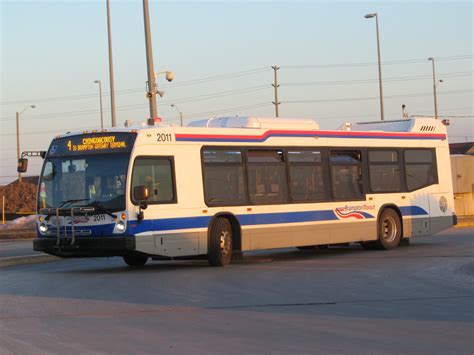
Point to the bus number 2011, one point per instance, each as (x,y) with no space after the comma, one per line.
(164,137)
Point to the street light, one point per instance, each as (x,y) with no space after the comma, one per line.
(111,68)
(18,135)
(180,114)
(380,64)
(434,87)
(101,112)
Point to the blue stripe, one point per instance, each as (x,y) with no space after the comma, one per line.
(286,217)
(168,224)
(413,211)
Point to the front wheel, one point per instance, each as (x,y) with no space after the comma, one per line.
(135,259)
(220,242)
(389,230)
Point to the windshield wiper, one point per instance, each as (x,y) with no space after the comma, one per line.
(102,209)
(62,203)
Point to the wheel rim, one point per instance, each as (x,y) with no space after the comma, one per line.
(389,229)
(226,246)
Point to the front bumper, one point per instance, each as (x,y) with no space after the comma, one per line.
(85,247)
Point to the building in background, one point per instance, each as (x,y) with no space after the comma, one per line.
(462,168)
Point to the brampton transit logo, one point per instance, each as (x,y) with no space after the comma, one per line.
(357,212)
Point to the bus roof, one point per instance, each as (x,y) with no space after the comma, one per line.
(421,125)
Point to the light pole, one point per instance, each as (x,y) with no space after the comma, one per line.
(101,111)
(149,61)
(180,114)
(380,63)
(111,68)
(434,87)
(18,136)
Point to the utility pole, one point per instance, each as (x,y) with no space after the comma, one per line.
(149,61)
(18,142)
(18,136)
(276,86)
(111,68)
(434,88)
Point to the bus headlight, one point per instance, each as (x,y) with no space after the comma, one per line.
(42,228)
(121,226)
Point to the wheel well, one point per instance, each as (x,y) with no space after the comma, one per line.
(236,229)
(392,207)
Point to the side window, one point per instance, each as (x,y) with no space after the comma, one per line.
(157,174)
(223,177)
(384,171)
(346,174)
(420,168)
(266,176)
(306,176)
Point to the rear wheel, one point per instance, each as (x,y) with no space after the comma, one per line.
(135,259)
(389,230)
(220,242)
(313,247)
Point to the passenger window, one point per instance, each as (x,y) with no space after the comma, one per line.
(346,175)
(156,173)
(266,176)
(306,176)
(384,171)
(224,183)
(420,169)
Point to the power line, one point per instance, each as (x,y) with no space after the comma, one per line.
(367,81)
(230,76)
(365,64)
(127,91)
(165,102)
(375,97)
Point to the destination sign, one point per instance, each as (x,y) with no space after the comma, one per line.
(92,143)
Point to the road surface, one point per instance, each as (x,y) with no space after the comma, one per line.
(412,300)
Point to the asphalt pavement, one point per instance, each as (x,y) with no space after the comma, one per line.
(411,300)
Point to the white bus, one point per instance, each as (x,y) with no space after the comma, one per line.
(223,186)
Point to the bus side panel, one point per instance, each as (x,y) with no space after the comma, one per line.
(171,244)
(266,237)
(344,232)
(315,234)
(442,203)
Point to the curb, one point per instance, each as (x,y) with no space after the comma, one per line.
(20,233)
(26,259)
(465,225)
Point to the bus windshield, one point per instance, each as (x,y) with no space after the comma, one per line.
(84,180)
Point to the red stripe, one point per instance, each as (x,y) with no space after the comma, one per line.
(351,214)
(315,133)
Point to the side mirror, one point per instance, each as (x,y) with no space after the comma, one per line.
(22,165)
(140,193)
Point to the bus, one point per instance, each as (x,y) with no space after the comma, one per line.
(223,186)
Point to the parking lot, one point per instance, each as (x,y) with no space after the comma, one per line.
(416,299)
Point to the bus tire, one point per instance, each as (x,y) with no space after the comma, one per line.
(313,247)
(368,245)
(220,242)
(389,230)
(135,259)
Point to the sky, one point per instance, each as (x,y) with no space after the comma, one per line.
(221,53)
